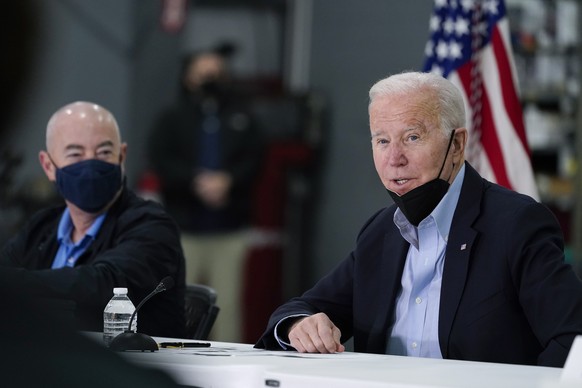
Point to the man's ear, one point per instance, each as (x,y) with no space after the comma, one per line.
(459,141)
(123,153)
(47,165)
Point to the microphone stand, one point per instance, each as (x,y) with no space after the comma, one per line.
(130,340)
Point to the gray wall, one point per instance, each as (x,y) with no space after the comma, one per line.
(82,56)
(113,52)
(110,52)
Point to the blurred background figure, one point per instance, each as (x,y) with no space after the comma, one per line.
(206,152)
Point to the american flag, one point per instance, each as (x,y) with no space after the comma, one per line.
(470,45)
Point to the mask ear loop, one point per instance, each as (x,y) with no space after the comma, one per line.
(447,154)
(52,161)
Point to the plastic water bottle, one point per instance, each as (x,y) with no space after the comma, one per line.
(117,314)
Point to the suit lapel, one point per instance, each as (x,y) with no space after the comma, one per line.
(459,247)
(394,253)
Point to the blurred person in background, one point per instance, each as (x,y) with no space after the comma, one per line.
(206,153)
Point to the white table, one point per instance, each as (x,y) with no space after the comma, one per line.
(228,365)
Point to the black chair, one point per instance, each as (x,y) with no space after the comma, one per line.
(201,311)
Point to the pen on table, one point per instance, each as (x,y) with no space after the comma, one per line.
(184,344)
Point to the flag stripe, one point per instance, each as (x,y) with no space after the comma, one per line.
(489,138)
(512,104)
(492,146)
(516,156)
(479,158)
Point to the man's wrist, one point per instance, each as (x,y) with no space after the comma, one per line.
(281,331)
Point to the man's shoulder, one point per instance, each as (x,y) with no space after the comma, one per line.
(132,206)
(506,208)
(491,192)
(38,227)
(130,201)
(44,216)
(504,197)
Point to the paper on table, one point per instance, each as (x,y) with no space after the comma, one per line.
(240,352)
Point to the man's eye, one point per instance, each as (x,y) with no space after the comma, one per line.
(413,137)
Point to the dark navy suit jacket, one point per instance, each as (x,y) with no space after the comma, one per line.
(507,295)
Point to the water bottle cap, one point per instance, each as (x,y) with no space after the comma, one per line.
(119,290)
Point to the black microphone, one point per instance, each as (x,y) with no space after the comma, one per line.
(130,340)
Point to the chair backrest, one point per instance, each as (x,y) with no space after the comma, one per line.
(201,310)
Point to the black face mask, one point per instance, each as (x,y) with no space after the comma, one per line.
(418,203)
(212,88)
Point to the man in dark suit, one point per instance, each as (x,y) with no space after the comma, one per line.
(457,268)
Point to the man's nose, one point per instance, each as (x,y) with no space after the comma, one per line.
(395,155)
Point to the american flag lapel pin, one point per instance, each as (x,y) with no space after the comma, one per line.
(463,247)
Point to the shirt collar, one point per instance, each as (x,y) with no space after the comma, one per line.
(66,227)
(442,213)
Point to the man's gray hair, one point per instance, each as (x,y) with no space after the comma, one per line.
(449,101)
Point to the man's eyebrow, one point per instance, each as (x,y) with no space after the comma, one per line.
(77,147)
(73,147)
(408,128)
(106,143)
(415,127)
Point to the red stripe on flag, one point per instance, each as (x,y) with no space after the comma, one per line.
(510,99)
(491,144)
(488,138)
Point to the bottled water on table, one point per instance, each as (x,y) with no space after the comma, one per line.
(117,314)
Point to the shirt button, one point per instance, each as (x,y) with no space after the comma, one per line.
(414,345)
(418,300)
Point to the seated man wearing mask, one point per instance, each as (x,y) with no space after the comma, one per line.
(457,268)
(104,237)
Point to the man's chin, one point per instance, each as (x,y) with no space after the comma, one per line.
(399,191)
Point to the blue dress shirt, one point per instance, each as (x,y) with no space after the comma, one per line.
(415,329)
(68,251)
